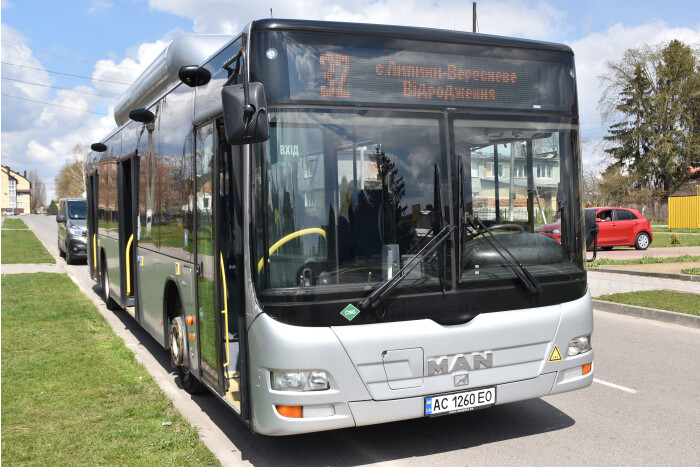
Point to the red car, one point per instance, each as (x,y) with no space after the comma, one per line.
(617,227)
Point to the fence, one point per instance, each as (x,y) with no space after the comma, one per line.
(684,211)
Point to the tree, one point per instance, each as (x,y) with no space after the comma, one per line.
(53,208)
(38,190)
(652,96)
(614,186)
(70,181)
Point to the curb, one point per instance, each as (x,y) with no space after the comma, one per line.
(681,319)
(661,275)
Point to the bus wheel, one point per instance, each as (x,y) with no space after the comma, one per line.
(179,355)
(109,301)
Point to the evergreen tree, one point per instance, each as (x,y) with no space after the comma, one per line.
(653,96)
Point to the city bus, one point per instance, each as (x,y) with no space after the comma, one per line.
(332,225)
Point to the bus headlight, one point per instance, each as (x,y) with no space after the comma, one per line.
(300,380)
(75,230)
(579,345)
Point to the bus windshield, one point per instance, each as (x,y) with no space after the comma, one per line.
(344,200)
(346,197)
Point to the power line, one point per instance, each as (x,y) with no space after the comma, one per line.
(62,89)
(44,52)
(65,74)
(55,105)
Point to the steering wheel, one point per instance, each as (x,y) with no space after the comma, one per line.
(517,227)
(291,236)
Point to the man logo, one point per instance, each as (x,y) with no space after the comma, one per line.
(461,380)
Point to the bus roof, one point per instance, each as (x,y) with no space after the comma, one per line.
(405,32)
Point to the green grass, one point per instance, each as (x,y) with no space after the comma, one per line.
(72,393)
(656,229)
(644,260)
(664,240)
(694,271)
(22,246)
(14,224)
(660,299)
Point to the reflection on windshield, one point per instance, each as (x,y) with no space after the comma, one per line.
(344,201)
(518,180)
(347,201)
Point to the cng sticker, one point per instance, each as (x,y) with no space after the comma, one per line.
(349,312)
(556,356)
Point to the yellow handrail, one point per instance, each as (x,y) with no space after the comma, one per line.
(289,237)
(225,310)
(94,252)
(128,266)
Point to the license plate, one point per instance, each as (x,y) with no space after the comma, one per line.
(460,402)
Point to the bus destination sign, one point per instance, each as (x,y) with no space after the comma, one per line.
(424,79)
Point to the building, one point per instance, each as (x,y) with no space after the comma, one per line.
(15,190)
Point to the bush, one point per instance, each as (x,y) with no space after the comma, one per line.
(675,239)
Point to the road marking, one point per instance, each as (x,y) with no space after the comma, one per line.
(613,385)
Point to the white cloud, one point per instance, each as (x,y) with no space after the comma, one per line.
(533,19)
(42,137)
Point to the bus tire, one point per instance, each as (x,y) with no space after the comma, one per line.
(178,352)
(109,301)
(61,253)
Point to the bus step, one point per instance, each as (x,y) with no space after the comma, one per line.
(131,310)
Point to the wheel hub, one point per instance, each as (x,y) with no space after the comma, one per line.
(177,341)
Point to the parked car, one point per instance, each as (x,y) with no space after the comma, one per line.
(616,227)
(72,228)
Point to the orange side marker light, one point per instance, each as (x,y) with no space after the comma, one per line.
(289,411)
(586,368)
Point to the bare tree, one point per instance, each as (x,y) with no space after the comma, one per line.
(70,181)
(38,190)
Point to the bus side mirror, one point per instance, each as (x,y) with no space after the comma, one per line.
(60,218)
(245,123)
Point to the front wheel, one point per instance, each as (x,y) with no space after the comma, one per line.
(178,352)
(642,241)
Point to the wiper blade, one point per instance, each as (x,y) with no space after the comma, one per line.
(388,286)
(530,282)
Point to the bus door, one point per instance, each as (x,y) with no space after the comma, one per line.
(127,171)
(216,265)
(92,214)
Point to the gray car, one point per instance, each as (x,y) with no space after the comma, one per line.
(72,228)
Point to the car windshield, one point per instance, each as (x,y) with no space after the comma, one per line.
(77,209)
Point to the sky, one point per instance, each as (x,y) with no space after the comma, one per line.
(65,63)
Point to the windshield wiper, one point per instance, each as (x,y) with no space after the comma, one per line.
(376,296)
(530,282)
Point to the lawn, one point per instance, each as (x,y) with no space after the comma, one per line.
(10,223)
(21,246)
(657,228)
(644,260)
(72,393)
(693,271)
(664,240)
(660,299)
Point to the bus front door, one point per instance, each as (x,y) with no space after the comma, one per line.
(216,265)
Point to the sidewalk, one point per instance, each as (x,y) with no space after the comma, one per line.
(660,270)
(31,268)
(605,283)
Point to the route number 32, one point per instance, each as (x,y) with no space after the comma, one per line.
(336,71)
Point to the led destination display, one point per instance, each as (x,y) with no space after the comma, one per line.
(326,72)
(340,76)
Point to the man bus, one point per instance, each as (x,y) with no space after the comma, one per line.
(333,225)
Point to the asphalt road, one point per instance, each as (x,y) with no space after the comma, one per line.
(642,408)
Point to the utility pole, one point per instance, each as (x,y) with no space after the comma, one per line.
(473,16)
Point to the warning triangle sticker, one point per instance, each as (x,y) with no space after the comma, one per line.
(556,356)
